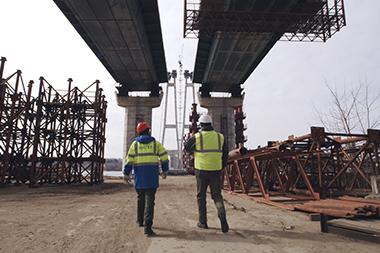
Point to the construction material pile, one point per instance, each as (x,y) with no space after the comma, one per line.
(345,207)
(317,165)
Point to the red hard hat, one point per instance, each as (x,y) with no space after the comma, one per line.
(141,127)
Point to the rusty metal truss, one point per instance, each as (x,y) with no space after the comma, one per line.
(54,138)
(206,17)
(314,166)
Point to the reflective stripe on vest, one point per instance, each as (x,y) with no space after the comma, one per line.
(208,150)
(146,153)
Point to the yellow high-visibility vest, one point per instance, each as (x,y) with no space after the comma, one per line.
(208,150)
(146,153)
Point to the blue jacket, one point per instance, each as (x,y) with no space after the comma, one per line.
(146,175)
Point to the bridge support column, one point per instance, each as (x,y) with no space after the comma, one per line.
(221,111)
(136,109)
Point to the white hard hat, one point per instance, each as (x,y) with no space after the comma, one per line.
(205,119)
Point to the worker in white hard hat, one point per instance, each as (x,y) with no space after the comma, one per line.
(210,157)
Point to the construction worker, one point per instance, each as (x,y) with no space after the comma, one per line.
(210,156)
(143,157)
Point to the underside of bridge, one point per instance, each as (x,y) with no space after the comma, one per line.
(231,48)
(126,37)
(235,36)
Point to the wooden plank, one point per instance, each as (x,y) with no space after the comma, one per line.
(315,217)
(365,226)
(352,233)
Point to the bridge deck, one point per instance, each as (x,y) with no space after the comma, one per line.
(224,61)
(125,36)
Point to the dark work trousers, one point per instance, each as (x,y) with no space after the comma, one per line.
(212,179)
(145,206)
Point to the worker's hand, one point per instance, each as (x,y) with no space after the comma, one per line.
(163,175)
(127,179)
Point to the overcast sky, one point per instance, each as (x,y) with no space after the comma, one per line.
(280,94)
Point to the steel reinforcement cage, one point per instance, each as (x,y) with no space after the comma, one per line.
(55,137)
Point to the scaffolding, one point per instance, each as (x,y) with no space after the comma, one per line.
(240,127)
(55,137)
(311,21)
(188,158)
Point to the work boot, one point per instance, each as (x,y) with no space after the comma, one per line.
(140,223)
(224,225)
(149,232)
(202,225)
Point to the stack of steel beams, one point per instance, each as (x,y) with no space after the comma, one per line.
(342,208)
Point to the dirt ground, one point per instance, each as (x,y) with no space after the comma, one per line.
(102,219)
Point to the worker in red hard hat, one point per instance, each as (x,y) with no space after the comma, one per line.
(144,156)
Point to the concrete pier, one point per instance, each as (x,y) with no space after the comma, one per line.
(137,109)
(221,110)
